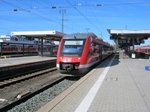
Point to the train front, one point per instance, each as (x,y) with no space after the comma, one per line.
(69,55)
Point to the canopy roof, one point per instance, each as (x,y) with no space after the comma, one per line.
(130,37)
(52,34)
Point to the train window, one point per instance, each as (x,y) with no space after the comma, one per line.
(142,50)
(16,39)
(146,50)
(30,46)
(72,47)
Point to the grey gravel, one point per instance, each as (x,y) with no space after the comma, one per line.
(41,99)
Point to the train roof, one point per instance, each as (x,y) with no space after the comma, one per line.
(17,42)
(144,47)
(84,36)
(78,35)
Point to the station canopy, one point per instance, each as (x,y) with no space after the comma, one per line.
(52,34)
(128,37)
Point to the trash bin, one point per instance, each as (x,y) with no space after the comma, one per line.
(133,55)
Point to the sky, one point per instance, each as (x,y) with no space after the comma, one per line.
(78,16)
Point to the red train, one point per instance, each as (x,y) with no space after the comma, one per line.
(12,48)
(20,48)
(78,52)
(143,49)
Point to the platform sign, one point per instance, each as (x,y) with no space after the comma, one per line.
(147,68)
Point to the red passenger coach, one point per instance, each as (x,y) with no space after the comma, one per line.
(78,52)
(143,49)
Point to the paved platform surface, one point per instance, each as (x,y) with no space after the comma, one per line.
(23,60)
(124,86)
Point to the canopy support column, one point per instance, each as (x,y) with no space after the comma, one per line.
(41,46)
(133,43)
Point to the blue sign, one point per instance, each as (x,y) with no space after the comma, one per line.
(147,68)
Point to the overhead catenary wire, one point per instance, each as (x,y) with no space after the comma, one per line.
(33,10)
(18,8)
(30,10)
(124,3)
(85,17)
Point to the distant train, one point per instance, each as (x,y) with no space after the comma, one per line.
(143,49)
(78,52)
(13,46)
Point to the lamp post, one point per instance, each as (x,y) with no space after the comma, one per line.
(62,12)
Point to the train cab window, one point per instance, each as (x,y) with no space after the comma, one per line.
(72,47)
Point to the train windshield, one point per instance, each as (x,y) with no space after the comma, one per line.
(72,47)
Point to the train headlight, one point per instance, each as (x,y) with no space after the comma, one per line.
(76,67)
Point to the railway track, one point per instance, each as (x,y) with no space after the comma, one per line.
(15,91)
(9,72)
(20,89)
(24,77)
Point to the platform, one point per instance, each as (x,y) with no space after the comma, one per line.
(123,86)
(23,60)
